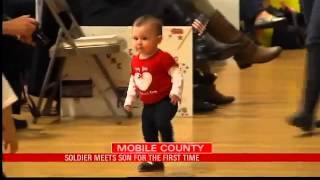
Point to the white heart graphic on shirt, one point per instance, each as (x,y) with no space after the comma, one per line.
(143,80)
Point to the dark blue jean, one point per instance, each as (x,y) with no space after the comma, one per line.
(311,9)
(157,118)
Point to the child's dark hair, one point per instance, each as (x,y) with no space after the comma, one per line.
(150,19)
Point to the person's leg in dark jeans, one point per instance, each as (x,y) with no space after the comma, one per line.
(312,15)
(149,130)
(150,134)
(305,119)
(157,117)
(165,111)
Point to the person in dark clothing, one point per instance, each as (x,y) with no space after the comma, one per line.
(114,12)
(17,58)
(161,96)
(305,119)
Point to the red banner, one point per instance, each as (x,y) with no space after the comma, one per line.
(161,148)
(110,157)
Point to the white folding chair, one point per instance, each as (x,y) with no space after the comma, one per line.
(72,41)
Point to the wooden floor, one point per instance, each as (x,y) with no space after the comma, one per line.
(266,95)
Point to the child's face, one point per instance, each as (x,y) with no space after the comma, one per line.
(145,39)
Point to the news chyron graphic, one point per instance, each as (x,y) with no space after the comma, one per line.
(162,152)
(125,152)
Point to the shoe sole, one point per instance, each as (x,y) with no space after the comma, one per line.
(308,129)
(270,58)
(244,66)
(270,24)
(155,170)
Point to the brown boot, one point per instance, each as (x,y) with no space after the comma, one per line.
(249,53)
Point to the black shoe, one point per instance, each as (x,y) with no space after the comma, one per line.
(208,48)
(151,166)
(20,124)
(200,77)
(222,100)
(303,121)
(202,106)
(218,98)
(208,90)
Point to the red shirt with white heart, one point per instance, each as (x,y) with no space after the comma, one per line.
(151,79)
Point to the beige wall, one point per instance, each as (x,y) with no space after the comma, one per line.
(230,8)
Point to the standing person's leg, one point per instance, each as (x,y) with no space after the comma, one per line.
(313,19)
(312,14)
(306,117)
(165,112)
(150,133)
(307,9)
(149,130)
(313,47)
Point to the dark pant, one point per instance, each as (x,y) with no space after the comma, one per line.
(157,118)
(249,9)
(15,63)
(16,8)
(312,87)
(41,59)
(311,9)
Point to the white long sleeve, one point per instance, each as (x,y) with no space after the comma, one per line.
(131,93)
(177,81)
(8,95)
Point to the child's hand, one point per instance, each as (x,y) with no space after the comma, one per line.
(128,108)
(175,99)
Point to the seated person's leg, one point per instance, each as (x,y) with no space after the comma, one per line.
(248,53)
(248,11)
(15,61)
